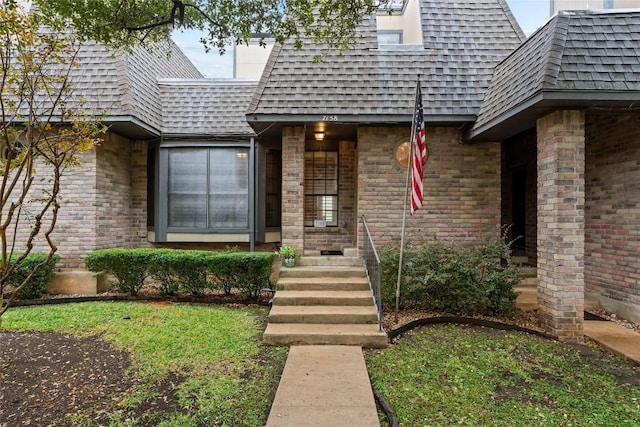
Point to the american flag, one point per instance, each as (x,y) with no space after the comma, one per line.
(419,160)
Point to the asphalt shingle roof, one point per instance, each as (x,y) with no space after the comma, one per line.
(575,51)
(206,107)
(125,84)
(463,41)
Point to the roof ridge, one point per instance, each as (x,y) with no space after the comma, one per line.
(512,19)
(264,78)
(124,83)
(169,81)
(558,41)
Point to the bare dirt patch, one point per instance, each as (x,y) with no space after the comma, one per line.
(46,377)
(55,379)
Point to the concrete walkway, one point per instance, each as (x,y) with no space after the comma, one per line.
(324,386)
(615,338)
(328,385)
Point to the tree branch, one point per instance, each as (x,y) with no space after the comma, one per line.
(178,9)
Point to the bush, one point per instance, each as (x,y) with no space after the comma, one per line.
(129,266)
(37,285)
(248,271)
(182,270)
(186,271)
(447,278)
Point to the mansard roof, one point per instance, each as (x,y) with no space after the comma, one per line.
(462,42)
(578,59)
(122,86)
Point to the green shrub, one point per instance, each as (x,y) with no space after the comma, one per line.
(37,285)
(453,279)
(247,271)
(168,281)
(130,267)
(185,271)
(186,268)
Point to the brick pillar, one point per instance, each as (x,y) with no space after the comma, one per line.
(293,187)
(561,198)
(139,194)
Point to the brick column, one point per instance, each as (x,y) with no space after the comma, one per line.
(293,187)
(139,194)
(561,198)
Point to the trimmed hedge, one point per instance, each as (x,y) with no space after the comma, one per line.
(247,271)
(40,280)
(129,266)
(184,271)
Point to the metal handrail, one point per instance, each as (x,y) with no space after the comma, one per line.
(374,271)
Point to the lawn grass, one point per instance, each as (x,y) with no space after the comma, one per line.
(221,373)
(455,375)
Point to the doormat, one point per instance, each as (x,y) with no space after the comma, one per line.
(330,252)
(591,316)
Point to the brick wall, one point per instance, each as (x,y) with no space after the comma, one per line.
(612,212)
(113,198)
(139,194)
(75,231)
(561,194)
(461,187)
(293,187)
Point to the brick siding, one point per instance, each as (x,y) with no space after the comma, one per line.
(461,186)
(113,201)
(293,187)
(75,231)
(613,210)
(561,193)
(95,204)
(139,194)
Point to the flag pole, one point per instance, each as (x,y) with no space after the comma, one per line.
(406,197)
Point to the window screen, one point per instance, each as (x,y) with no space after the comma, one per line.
(321,187)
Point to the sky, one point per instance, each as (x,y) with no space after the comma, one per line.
(530,14)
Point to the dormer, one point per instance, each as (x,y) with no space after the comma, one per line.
(402,27)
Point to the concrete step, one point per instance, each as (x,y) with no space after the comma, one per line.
(527,297)
(323,314)
(528,281)
(330,260)
(325,334)
(320,271)
(322,284)
(528,271)
(293,298)
(520,260)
